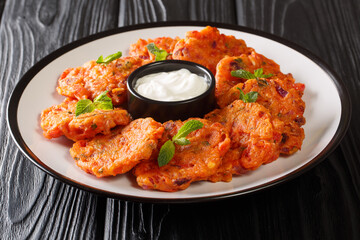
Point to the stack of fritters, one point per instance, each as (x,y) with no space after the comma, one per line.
(235,138)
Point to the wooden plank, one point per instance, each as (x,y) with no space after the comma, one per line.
(135,220)
(34,204)
(328,29)
(147,11)
(304,208)
(320,204)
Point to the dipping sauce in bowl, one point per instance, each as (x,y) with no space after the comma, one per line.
(171,86)
(171,90)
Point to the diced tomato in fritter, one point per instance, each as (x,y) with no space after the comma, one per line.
(140,50)
(282,96)
(208,47)
(194,162)
(92,79)
(120,151)
(254,138)
(249,62)
(60,120)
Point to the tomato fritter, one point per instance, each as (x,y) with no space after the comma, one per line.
(60,120)
(120,151)
(140,50)
(194,162)
(91,79)
(282,96)
(255,138)
(208,47)
(251,62)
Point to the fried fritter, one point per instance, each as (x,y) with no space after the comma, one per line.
(282,96)
(254,138)
(193,162)
(208,47)
(140,50)
(120,151)
(248,62)
(60,120)
(91,79)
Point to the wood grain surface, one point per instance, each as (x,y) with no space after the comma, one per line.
(323,203)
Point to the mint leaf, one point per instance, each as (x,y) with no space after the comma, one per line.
(109,58)
(100,102)
(103,105)
(160,54)
(242,95)
(249,97)
(102,97)
(103,101)
(84,106)
(182,141)
(241,73)
(100,60)
(167,150)
(187,128)
(166,153)
(258,73)
(267,75)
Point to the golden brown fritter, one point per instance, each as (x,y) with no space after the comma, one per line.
(91,79)
(120,151)
(140,50)
(248,62)
(254,138)
(193,162)
(208,47)
(60,120)
(282,96)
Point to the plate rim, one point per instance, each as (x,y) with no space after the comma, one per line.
(13,103)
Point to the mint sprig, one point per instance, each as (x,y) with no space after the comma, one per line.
(166,153)
(160,54)
(167,150)
(84,106)
(100,102)
(109,58)
(249,97)
(103,101)
(258,73)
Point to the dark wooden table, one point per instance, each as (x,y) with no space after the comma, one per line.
(323,203)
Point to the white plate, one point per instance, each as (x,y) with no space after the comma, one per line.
(327,113)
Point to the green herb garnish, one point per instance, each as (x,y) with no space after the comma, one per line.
(258,73)
(109,58)
(167,150)
(103,101)
(166,153)
(84,106)
(100,102)
(160,54)
(249,97)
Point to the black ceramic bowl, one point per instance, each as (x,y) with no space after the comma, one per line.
(140,106)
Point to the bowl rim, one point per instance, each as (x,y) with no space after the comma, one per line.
(133,92)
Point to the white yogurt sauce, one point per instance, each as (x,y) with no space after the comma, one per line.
(171,86)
